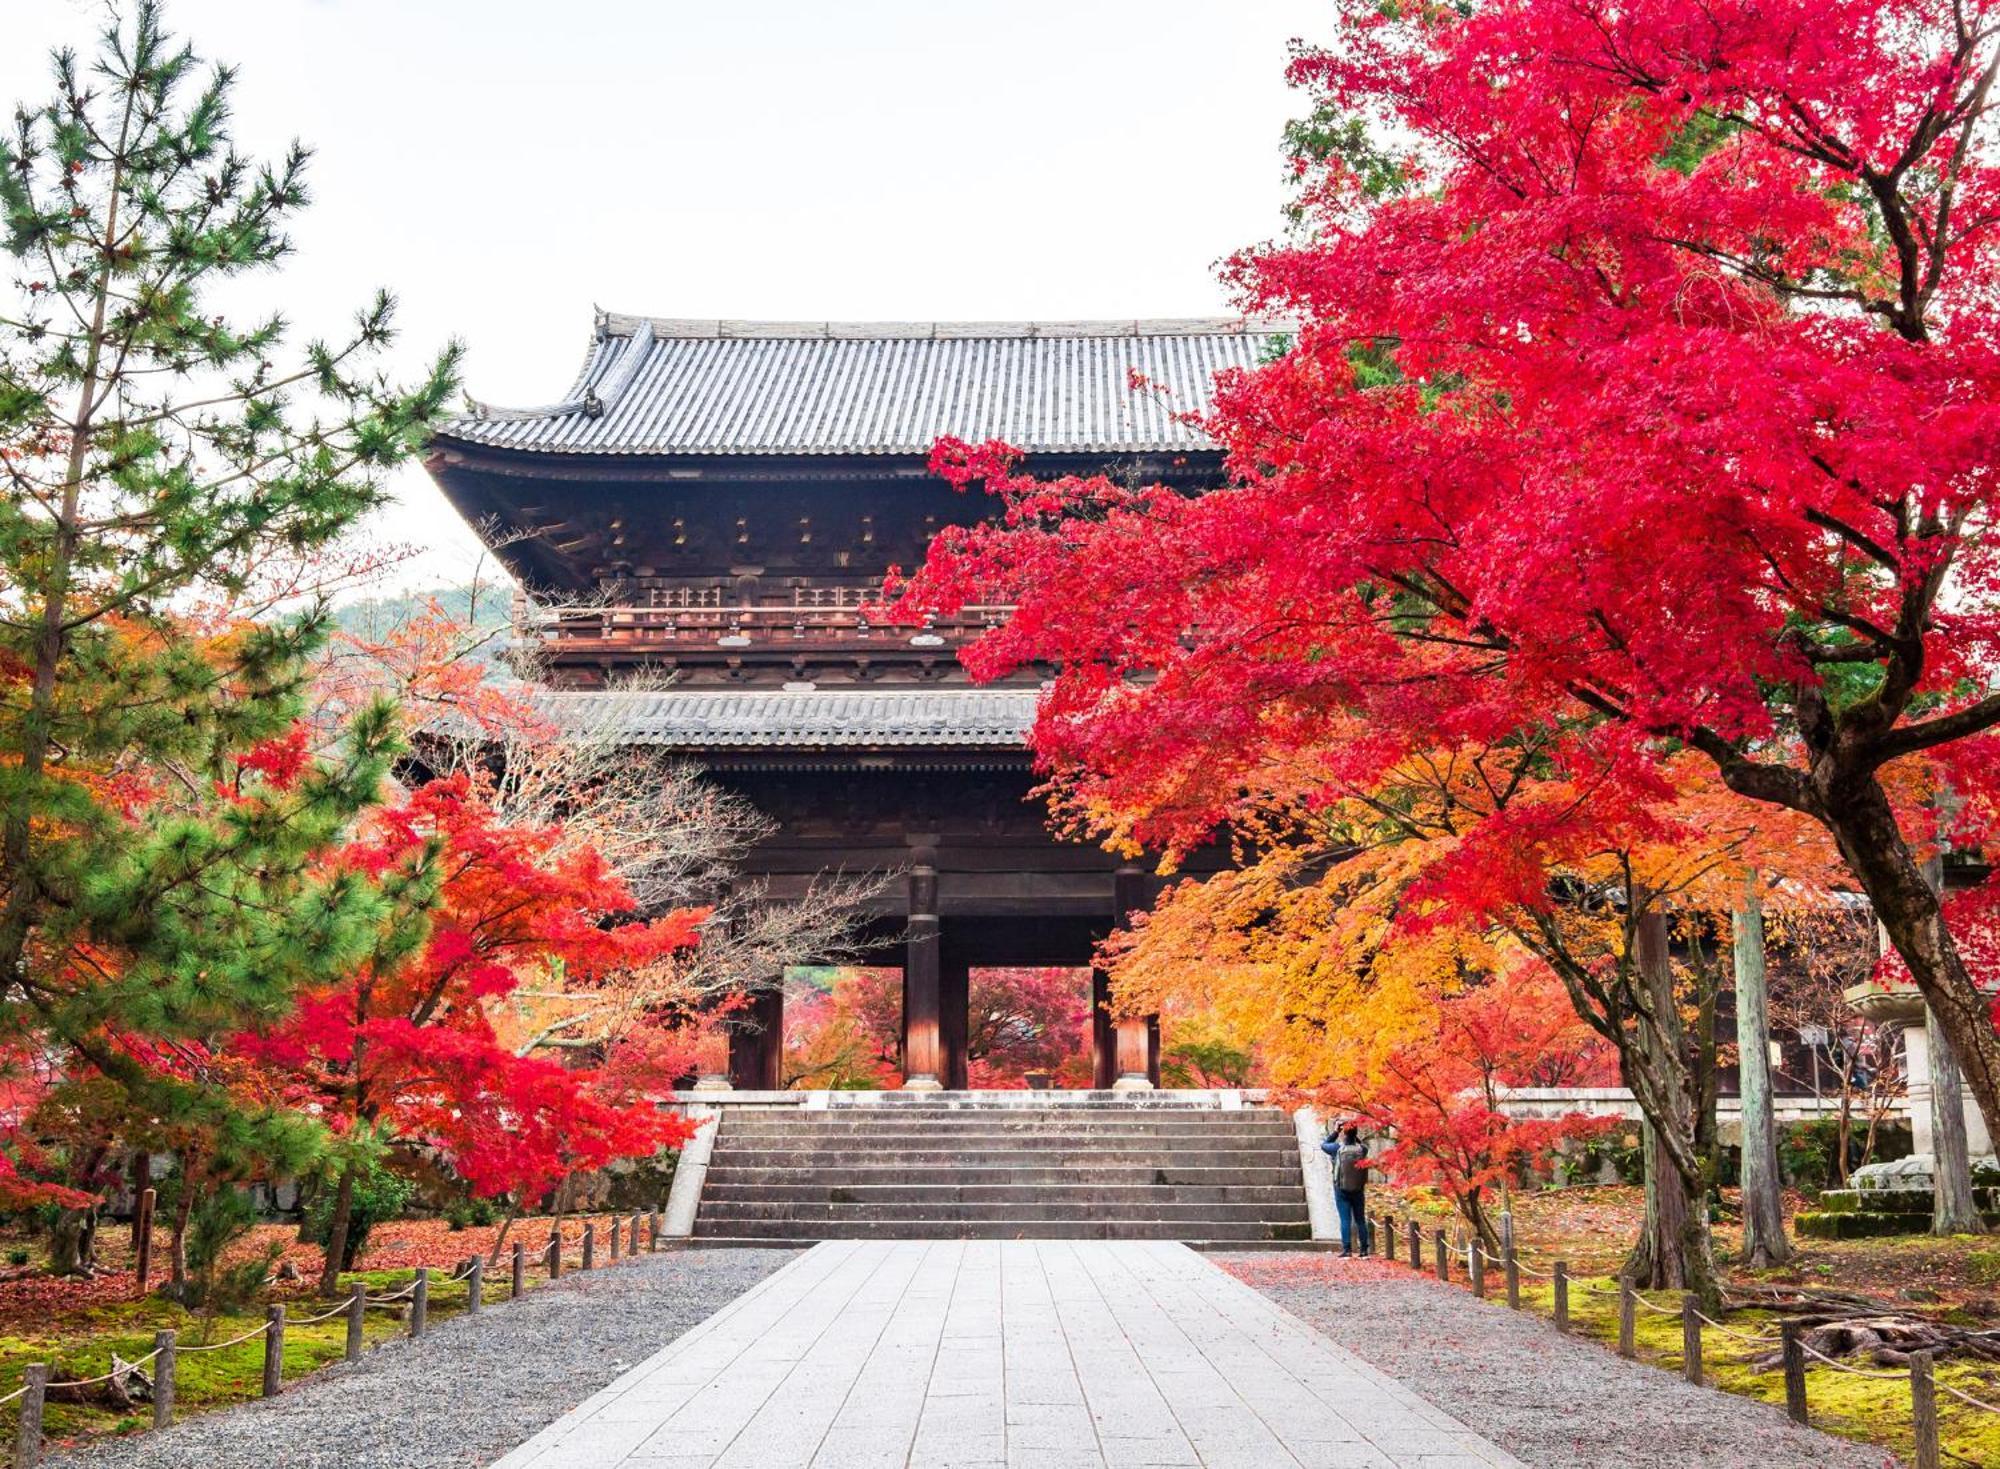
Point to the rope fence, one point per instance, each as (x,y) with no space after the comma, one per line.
(1794,1349)
(33,1393)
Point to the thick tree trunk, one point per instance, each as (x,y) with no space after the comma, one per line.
(1676,1250)
(336,1232)
(72,1243)
(1953,1209)
(1864,826)
(1764,1242)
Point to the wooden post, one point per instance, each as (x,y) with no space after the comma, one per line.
(163,1379)
(274,1349)
(1923,1410)
(475,1283)
(1389,1237)
(519,1284)
(1795,1373)
(615,1233)
(635,1236)
(420,1301)
(142,1238)
(1475,1265)
(357,1315)
(28,1439)
(555,1253)
(1628,1309)
(1511,1264)
(1561,1283)
(590,1244)
(1690,1340)
(653,1229)
(1443,1256)
(1416,1246)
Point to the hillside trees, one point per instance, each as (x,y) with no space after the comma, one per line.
(1642,394)
(159,828)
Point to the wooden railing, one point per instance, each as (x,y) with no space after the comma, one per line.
(746,625)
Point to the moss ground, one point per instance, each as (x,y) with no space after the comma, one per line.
(1949,1280)
(76,1326)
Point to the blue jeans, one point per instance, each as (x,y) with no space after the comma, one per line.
(1353,1206)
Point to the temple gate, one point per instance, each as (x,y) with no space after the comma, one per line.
(720,500)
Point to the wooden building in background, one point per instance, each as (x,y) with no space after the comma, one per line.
(720,500)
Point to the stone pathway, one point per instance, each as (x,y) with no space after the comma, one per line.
(1039,1354)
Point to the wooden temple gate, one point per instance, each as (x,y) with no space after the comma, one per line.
(721,500)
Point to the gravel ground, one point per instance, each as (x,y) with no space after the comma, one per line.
(469,1389)
(1552,1401)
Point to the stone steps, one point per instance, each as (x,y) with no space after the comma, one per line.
(1244,1235)
(936,1176)
(994,1166)
(953,1192)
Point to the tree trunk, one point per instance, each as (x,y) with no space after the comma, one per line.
(1764,1242)
(1657,1261)
(1675,1249)
(141,1178)
(507,1224)
(177,1262)
(72,1242)
(1907,906)
(336,1232)
(1953,1209)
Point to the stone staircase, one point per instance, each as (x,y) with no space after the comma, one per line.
(1006,1165)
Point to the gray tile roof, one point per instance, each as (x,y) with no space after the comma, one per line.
(696,719)
(655,386)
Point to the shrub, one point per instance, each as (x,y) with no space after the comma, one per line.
(1806,1152)
(216,1287)
(379,1196)
(471,1213)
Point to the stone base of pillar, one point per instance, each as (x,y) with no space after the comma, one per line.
(1133,1082)
(922,1084)
(713,1082)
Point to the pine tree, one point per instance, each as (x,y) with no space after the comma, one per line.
(159,818)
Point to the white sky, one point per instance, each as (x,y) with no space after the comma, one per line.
(503,165)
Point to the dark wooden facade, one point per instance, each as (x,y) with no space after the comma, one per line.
(747,571)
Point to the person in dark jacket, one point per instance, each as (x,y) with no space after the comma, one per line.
(1350,1187)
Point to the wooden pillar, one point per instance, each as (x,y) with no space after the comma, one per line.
(1103,1037)
(923,1049)
(757,1042)
(1137,1045)
(954,1013)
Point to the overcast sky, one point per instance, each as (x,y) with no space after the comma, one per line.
(504,165)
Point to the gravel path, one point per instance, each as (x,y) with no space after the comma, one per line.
(1553,1401)
(469,1389)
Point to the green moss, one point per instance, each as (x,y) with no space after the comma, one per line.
(81,1345)
(1867,1409)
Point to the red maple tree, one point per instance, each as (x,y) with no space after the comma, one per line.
(1642,397)
(407,1048)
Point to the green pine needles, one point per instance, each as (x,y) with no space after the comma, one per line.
(158,888)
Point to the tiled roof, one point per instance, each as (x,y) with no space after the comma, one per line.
(652,386)
(821,718)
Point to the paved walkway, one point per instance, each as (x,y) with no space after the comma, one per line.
(1048,1354)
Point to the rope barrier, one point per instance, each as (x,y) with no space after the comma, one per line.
(1762,1336)
(339,1310)
(1966,1397)
(257,1330)
(1812,1351)
(107,1376)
